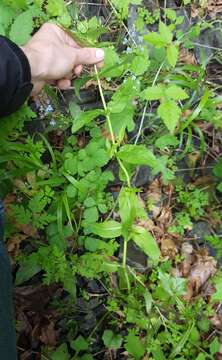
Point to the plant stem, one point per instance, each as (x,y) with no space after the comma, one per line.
(110,125)
(105,106)
(124,253)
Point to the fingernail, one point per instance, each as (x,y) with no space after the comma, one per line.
(99,54)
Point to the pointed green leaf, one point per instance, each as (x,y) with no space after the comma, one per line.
(165,32)
(146,242)
(172,54)
(153,93)
(155,39)
(137,155)
(170,113)
(108,229)
(176,93)
(111,340)
(85,118)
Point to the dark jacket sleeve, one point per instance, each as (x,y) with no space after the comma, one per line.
(15,77)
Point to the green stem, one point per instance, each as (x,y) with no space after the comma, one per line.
(124,253)
(125,172)
(105,106)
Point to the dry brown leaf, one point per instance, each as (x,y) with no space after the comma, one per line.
(202,269)
(168,248)
(13,244)
(187,253)
(48,334)
(105,85)
(165,217)
(187,57)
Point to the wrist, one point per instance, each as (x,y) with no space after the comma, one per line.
(37,74)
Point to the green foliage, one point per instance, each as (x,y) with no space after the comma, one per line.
(80,218)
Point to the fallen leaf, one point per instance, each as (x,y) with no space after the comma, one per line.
(187,254)
(202,269)
(168,248)
(187,57)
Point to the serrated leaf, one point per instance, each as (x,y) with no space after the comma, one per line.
(79,344)
(22,28)
(166,140)
(165,32)
(214,346)
(218,169)
(176,93)
(146,242)
(170,113)
(108,229)
(61,353)
(137,155)
(111,340)
(155,39)
(153,93)
(27,269)
(85,118)
(134,346)
(172,54)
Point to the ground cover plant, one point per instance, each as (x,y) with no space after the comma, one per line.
(113,189)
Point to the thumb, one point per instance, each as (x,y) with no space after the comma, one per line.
(88,56)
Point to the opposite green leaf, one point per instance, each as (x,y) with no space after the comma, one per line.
(176,93)
(108,229)
(146,242)
(172,54)
(153,93)
(137,155)
(85,118)
(170,113)
(111,340)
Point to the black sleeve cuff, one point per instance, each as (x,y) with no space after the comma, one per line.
(15,77)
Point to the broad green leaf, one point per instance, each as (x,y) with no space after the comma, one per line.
(165,32)
(148,300)
(219,187)
(22,28)
(166,140)
(111,340)
(79,344)
(140,62)
(61,353)
(7,15)
(172,54)
(74,109)
(27,269)
(123,96)
(155,39)
(174,286)
(84,118)
(153,93)
(121,121)
(134,346)
(171,14)
(218,169)
(170,113)
(137,155)
(108,229)
(146,242)
(176,93)
(130,208)
(55,7)
(214,346)
(201,356)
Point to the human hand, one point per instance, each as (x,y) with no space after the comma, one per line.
(55,57)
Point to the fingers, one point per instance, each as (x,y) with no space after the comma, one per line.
(64,84)
(78,69)
(88,56)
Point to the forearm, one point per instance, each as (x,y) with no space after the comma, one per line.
(15,77)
